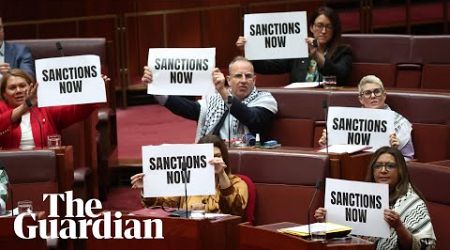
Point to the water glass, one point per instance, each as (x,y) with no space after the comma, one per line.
(25,206)
(329,82)
(54,141)
(198,210)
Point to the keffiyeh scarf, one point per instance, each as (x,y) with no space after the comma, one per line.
(414,215)
(213,108)
(402,128)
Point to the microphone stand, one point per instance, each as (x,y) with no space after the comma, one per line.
(184,171)
(318,184)
(228,104)
(325,110)
(59,47)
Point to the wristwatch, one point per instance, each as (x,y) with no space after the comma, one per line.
(29,103)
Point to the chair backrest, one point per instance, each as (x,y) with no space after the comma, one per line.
(367,59)
(429,51)
(250,209)
(294,122)
(31,173)
(432,181)
(283,181)
(82,135)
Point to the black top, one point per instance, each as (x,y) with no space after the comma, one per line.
(257,119)
(339,65)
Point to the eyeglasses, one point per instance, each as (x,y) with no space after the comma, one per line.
(321,26)
(388,166)
(248,76)
(368,93)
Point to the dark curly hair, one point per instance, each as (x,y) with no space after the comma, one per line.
(218,142)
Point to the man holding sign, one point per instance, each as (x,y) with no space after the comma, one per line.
(407,214)
(231,193)
(251,110)
(372,95)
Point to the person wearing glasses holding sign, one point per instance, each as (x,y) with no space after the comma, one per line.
(373,95)
(251,110)
(327,56)
(407,214)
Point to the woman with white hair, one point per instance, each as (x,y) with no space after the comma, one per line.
(373,95)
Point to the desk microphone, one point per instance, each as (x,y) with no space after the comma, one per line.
(317,187)
(325,111)
(184,172)
(229,102)
(59,47)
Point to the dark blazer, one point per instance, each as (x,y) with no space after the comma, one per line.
(19,56)
(339,65)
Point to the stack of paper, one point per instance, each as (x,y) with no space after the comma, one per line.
(331,229)
(300,85)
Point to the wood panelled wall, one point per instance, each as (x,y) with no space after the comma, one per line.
(131,27)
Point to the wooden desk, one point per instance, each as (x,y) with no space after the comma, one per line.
(267,237)
(9,240)
(179,233)
(342,166)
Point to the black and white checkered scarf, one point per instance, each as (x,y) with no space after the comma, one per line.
(213,107)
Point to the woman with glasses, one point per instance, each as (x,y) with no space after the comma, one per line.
(407,214)
(373,95)
(231,191)
(327,56)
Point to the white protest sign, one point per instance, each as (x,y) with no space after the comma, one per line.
(276,35)
(359,205)
(69,80)
(162,166)
(360,126)
(179,71)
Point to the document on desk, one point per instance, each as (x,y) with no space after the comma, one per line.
(301,85)
(329,228)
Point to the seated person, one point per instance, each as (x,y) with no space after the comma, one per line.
(231,192)
(24,125)
(14,55)
(328,58)
(373,95)
(251,110)
(407,213)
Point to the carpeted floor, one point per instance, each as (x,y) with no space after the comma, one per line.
(138,126)
(150,125)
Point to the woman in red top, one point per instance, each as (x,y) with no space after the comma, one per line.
(24,125)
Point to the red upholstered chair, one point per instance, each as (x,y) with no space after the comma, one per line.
(250,209)
(432,182)
(380,62)
(94,139)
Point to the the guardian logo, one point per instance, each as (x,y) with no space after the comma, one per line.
(73,226)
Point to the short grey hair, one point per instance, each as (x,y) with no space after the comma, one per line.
(369,79)
(237,59)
